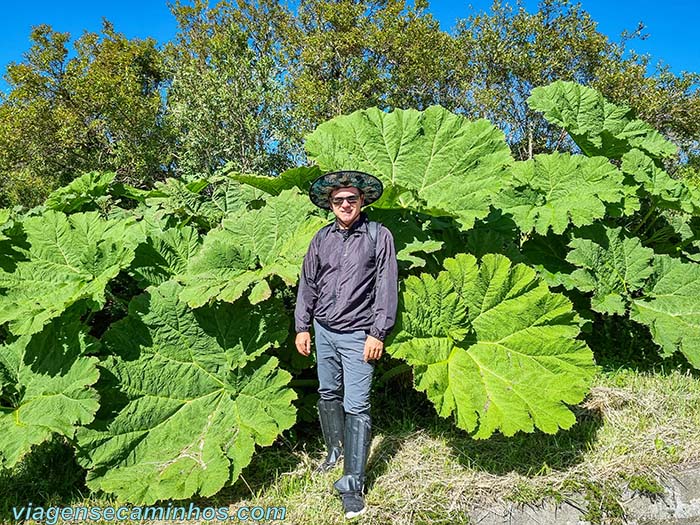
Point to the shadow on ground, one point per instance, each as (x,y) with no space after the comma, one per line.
(527,454)
(48,476)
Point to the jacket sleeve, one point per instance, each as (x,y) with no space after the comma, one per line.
(307,293)
(386,286)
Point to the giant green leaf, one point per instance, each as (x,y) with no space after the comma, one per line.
(190,397)
(184,201)
(611,264)
(5,222)
(82,194)
(432,161)
(493,346)
(220,271)
(547,254)
(674,233)
(12,240)
(70,258)
(165,254)
(47,386)
(229,196)
(597,126)
(205,201)
(552,191)
(665,191)
(249,247)
(670,307)
(5,214)
(497,233)
(300,178)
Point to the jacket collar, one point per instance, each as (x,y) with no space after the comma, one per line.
(359,225)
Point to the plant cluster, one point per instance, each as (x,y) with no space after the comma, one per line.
(151,329)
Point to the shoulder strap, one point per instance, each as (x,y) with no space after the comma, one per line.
(373,227)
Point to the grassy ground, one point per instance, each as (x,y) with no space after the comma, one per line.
(633,427)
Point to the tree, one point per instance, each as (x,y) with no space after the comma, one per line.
(510,51)
(348,55)
(345,55)
(244,82)
(101,109)
(226,101)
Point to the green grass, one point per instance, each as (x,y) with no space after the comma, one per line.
(632,427)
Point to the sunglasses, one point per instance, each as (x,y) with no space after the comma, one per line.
(352,199)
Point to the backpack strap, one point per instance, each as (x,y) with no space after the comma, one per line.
(373,227)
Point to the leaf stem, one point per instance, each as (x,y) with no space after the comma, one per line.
(393,372)
(294,383)
(89,317)
(651,223)
(646,217)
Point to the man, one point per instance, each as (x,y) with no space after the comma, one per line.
(348,290)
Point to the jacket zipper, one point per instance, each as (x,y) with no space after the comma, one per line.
(337,286)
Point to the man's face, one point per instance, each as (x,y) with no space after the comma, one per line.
(345,210)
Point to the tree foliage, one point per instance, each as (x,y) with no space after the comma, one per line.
(100,109)
(226,101)
(347,55)
(243,82)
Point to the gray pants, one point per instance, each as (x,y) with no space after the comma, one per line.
(343,374)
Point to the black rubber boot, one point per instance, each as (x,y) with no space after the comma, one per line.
(332,417)
(358,432)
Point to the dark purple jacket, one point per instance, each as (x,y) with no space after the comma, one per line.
(344,286)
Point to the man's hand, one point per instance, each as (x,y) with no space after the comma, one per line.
(303,343)
(373,348)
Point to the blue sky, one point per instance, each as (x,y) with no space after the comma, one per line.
(671,24)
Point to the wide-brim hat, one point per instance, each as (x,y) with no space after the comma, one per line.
(323,186)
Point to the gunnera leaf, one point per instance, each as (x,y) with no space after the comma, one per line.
(411,233)
(13,241)
(47,386)
(493,346)
(5,218)
(69,258)
(249,247)
(229,196)
(670,307)
(300,178)
(597,126)
(190,394)
(184,201)
(205,202)
(666,192)
(611,265)
(165,254)
(81,194)
(547,254)
(431,161)
(673,233)
(497,233)
(555,190)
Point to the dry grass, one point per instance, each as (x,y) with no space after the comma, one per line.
(423,470)
(632,425)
